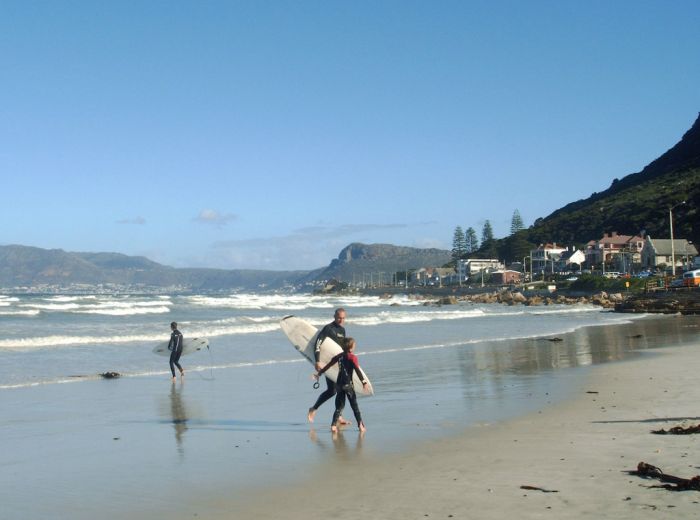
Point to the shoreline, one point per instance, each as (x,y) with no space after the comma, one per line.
(581,448)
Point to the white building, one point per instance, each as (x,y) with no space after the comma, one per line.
(544,257)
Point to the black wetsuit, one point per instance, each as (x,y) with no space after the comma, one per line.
(347,364)
(337,333)
(175,348)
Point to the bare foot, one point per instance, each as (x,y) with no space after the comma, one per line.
(344,422)
(182,373)
(174,379)
(334,428)
(362,427)
(311,414)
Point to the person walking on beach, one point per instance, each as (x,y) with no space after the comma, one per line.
(175,348)
(347,365)
(336,331)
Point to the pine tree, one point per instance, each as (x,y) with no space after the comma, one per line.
(516,223)
(459,247)
(488,243)
(470,240)
(486,233)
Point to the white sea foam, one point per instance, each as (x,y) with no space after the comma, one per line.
(110,311)
(296,302)
(106,307)
(70,298)
(35,312)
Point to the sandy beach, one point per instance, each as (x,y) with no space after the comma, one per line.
(581,449)
(566,416)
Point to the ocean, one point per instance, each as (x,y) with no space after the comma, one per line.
(69,339)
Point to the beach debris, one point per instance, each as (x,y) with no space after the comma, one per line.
(110,375)
(591,392)
(678,430)
(537,488)
(674,483)
(636,336)
(554,339)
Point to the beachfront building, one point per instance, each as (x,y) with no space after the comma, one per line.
(570,260)
(432,276)
(615,252)
(471,266)
(658,252)
(506,277)
(545,256)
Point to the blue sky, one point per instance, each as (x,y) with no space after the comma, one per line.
(269,135)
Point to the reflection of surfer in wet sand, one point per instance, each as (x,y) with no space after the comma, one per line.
(179,414)
(175,348)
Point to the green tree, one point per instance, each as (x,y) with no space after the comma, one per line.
(486,232)
(514,248)
(459,246)
(471,241)
(488,243)
(516,223)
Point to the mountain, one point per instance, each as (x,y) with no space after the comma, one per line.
(33,266)
(358,260)
(638,202)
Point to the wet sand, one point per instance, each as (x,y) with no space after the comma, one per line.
(580,450)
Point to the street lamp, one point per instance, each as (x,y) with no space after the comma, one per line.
(673,248)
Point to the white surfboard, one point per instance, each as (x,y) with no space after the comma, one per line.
(303,336)
(189,345)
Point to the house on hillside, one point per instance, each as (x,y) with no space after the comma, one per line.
(658,251)
(619,251)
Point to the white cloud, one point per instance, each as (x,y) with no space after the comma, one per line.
(214,218)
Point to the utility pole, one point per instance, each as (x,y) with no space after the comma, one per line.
(673,249)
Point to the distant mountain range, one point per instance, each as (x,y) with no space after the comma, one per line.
(23,266)
(33,266)
(638,202)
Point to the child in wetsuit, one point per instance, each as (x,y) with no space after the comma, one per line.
(347,365)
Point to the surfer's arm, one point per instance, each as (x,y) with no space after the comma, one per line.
(332,362)
(317,347)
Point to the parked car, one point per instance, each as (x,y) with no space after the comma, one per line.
(572,278)
(678,282)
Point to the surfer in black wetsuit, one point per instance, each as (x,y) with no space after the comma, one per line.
(347,365)
(175,348)
(336,331)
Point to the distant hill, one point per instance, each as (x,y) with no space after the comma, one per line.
(33,266)
(358,260)
(635,203)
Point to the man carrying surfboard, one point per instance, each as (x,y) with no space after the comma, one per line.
(175,348)
(336,331)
